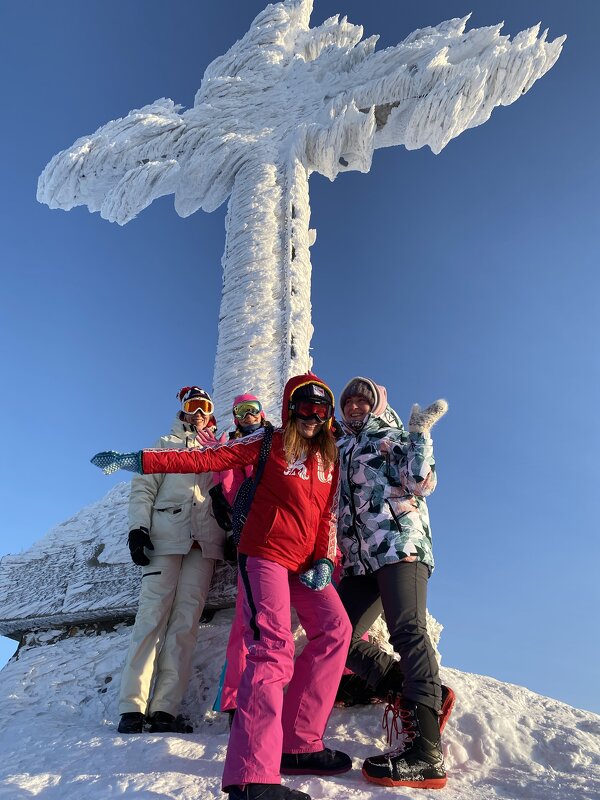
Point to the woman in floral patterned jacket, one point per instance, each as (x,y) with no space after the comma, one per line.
(383,532)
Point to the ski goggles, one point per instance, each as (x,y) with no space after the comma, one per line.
(198,404)
(247,407)
(305,410)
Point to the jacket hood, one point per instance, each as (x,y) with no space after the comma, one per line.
(381,409)
(379,393)
(293,384)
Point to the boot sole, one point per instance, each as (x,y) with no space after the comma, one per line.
(315,771)
(428,783)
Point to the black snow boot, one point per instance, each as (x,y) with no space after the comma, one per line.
(418,763)
(323,762)
(355,691)
(161,722)
(131,722)
(391,682)
(264,791)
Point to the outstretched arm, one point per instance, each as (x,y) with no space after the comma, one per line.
(237,453)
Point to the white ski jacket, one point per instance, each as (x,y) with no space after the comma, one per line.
(176,509)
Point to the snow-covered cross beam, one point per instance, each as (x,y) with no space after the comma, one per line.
(287,100)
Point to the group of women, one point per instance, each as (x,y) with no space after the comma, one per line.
(357,489)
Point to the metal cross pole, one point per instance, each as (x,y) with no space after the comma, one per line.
(287,100)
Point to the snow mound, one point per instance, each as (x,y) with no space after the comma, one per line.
(58,712)
(81,572)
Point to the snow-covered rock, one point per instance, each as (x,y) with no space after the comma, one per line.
(81,572)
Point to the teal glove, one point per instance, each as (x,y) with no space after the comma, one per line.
(110,461)
(319,575)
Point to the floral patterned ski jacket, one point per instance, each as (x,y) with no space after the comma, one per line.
(385,475)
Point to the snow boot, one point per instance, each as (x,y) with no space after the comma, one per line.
(391,682)
(418,763)
(161,722)
(131,722)
(393,679)
(393,707)
(323,762)
(264,791)
(355,691)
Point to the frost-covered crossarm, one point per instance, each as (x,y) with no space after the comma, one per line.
(284,101)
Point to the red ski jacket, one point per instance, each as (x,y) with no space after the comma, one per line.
(293,517)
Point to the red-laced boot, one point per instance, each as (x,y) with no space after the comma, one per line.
(418,763)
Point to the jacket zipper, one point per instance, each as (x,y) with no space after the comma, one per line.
(365,566)
(394,516)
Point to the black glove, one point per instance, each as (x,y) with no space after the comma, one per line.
(230,554)
(221,508)
(138,539)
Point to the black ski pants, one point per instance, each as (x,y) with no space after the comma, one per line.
(400,592)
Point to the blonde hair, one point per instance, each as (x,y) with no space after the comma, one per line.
(296,447)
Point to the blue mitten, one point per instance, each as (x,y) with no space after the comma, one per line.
(319,575)
(110,461)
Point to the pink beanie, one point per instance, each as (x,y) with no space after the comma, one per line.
(245,398)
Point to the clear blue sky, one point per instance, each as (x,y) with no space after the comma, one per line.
(470,275)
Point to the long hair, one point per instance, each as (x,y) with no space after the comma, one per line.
(297,447)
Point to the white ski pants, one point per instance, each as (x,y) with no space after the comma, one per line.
(159,659)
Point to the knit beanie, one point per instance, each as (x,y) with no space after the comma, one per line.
(189,392)
(361,387)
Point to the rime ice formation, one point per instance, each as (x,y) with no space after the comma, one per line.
(59,707)
(284,101)
(81,572)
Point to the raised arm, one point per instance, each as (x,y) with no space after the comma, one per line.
(414,450)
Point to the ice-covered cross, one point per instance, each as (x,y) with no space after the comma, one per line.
(287,100)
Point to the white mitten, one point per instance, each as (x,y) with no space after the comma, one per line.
(423,419)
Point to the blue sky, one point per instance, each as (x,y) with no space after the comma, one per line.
(470,275)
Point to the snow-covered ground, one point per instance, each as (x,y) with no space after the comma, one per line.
(58,737)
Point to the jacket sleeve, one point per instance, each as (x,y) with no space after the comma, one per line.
(144,489)
(416,464)
(236,453)
(326,541)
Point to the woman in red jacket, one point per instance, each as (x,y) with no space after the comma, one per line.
(286,556)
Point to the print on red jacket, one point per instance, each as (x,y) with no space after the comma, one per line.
(293,519)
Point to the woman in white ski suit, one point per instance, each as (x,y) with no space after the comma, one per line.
(184,543)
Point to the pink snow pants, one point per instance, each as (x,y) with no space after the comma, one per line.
(235,655)
(268,723)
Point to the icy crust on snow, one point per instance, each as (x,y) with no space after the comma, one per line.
(58,713)
(282,102)
(81,571)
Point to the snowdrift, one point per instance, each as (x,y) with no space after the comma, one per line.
(58,737)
